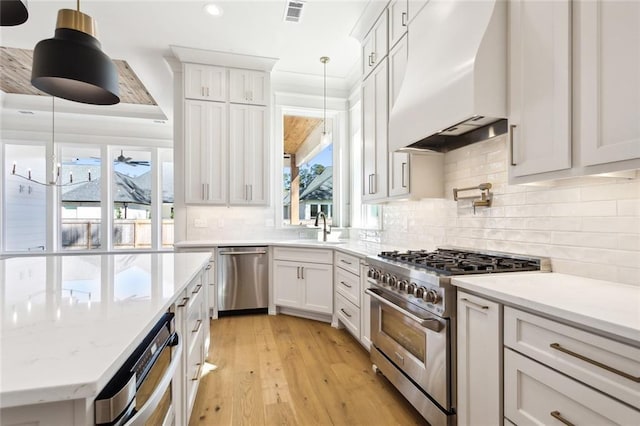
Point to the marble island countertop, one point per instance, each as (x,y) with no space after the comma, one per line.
(68,322)
(605,306)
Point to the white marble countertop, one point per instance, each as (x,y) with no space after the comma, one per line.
(68,322)
(354,247)
(605,306)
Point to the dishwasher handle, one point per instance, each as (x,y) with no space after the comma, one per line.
(233,253)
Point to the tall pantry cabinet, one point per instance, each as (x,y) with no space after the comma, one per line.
(226,130)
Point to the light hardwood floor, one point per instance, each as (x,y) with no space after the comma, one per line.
(283,370)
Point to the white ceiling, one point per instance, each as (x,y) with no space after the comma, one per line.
(141,32)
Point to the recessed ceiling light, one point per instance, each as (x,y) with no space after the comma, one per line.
(213,10)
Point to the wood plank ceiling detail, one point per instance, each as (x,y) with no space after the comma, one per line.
(297,130)
(15,77)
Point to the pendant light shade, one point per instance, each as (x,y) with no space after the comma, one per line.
(13,12)
(71,65)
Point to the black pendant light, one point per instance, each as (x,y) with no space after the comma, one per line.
(13,12)
(71,65)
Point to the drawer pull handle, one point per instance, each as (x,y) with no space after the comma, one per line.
(196,290)
(195,330)
(184,302)
(345,312)
(345,261)
(557,347)
(345,284)
(197,376)
(558,416)
(474,304)
(208,268)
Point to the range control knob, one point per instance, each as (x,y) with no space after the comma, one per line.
(402,285)
(432,297)
(384,278)
(411,288)
(420,292)
(393,281)
(371,273)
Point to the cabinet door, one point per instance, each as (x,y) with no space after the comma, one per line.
(287,284)
(375,45)
(238,134)
(607,80)
(247,87)
(479,361)
(318,287)
(257,157)
(375,120)
(205,152)
(540,86)
(398,161)
(398,20)
(205,82)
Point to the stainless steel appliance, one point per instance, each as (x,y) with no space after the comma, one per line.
(413,319)
(140,392)
(243,279)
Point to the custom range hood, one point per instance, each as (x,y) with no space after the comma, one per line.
(454,87)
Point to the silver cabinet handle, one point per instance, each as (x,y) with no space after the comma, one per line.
(207,191)
(404,19)
(512,129)
(581,357)
(202,90)
(197,375)
(208,267)
(143,414)
(184,302)
(369,63)
(556,415)
(430,323)
(345,284)
(199,323)
(250,192)
(404,172)
(373,58)
(473,304)
(371,184)
(197,288)
(302,272)
(202,192)
(208,91)
(345,312)
(345,261)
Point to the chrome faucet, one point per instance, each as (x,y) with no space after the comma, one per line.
(325,231)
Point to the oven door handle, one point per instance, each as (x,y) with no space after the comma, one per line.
(430,323)
(146,410)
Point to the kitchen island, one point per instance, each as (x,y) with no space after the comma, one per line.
(69,322)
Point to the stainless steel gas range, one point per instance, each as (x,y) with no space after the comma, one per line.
(413,319)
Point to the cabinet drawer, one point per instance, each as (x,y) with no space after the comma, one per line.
(303,255)
(348,285)
(195,362)
(535,394)
(349,315)
(347,262)
(602,363)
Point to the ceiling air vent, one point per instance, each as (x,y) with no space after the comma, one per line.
(293,11)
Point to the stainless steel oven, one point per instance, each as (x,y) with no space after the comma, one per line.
(141,392)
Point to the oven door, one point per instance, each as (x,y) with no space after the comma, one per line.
(415,341)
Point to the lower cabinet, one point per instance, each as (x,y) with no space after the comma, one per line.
(302,285)
(348,295)
(479,361)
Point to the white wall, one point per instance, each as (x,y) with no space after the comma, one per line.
(588,226)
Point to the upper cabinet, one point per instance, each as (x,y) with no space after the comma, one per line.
(540,103)
(574,88)
(205,82)
(607,80)
(375,45)
(398,20)
(248,87)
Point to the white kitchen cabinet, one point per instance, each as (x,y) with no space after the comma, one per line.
(248,155)
(540,86)
(414,7)
(398,161)
(205,152)
(479,361)
(374,134)
(375,45)
(607,80)
(398,20)
(248,87)
(539,395)
(348,293)
(303,279)
(304,286)
(205,82)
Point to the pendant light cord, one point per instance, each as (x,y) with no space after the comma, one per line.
(324,121)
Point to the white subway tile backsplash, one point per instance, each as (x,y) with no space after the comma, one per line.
(588,226)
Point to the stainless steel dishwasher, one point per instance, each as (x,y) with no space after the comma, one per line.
(244,279)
